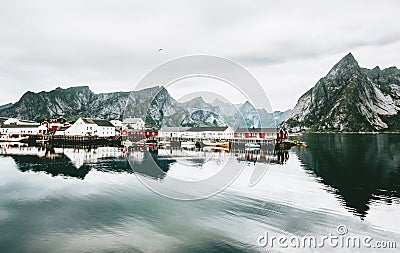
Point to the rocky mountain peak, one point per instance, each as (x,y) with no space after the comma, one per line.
(247,105)
(347,64)
(198,99)
(350,98)
(377,68)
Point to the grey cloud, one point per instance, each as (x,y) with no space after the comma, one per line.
(111,44)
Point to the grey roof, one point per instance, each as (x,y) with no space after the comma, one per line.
(255,130)
(88,121)
(99,122)
(62,128)
(174,129)
(141,130)
(102,122)
(20,126)
(131,120)
(207,129)
(3,119)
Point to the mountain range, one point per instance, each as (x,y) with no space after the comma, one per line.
(350,99)
(155,105)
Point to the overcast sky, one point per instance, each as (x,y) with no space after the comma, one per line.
(110,45)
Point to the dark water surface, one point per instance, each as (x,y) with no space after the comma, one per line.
(76,200)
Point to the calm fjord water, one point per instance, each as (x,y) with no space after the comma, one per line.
(93,201)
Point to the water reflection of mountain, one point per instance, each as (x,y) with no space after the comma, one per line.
(361,169)
(149,163)
(68,162)
(78,162)
(61,166)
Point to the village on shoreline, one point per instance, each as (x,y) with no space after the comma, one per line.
(87,131)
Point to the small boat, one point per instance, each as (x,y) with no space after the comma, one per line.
(298,143)
(301,144)
(252,145)
(215,149)
(295,134)
(14,138)
(224,144)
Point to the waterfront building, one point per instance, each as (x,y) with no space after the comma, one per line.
(137,134)
(13,121)
(133,123)
(225,132)
(91,127)
(255,133)
(23,129)
(54,124)
(117,124)
(173,132)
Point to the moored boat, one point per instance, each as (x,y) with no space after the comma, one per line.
(299,143)
(215,149)
(224,144)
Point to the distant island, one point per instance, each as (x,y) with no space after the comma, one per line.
(348,99)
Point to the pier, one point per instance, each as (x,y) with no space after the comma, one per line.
(72,141)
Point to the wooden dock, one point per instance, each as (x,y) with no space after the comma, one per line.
(72,141)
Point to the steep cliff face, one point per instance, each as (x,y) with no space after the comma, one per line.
(108,105)
(203,118)
(58,102)
(349,98)
(250,115)
(198,103)
(164,110)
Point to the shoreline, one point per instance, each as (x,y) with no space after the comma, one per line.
(360,133)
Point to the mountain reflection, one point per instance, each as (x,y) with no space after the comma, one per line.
(361,169)
(68,162)
(55,167)
(78,162)
(148,163)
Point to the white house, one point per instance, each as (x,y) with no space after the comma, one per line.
(116,123)
(133,123)
(91,127)
(172,132)
(256,133)
(13,121)
(23,129)
(225,132)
